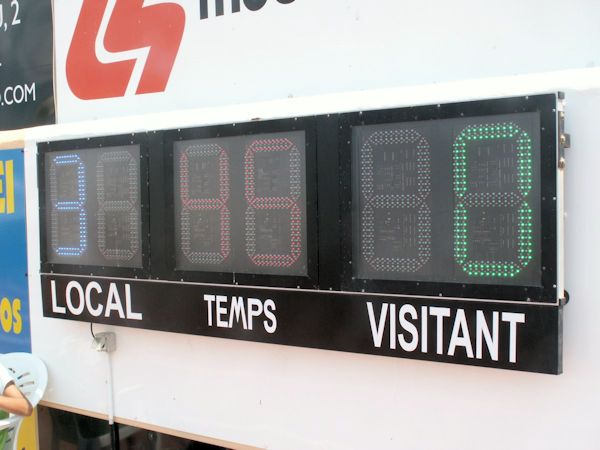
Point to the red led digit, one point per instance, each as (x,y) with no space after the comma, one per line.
(202,200)
(269,241)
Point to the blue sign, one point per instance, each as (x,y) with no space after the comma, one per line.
(15,331)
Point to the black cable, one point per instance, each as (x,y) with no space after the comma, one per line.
(92,329)
(114,437)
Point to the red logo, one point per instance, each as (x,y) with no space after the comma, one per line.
(118,43)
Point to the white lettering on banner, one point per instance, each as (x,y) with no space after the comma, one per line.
(15,95)
(513,319)
(237,312)
(403,328)
(79,299)
(225,312)
(114,302)
(483,331)
(460,335)
(55,308)
(96,312)
(377,329)
(130,314)
(440,313)
(408,346)
(424,328)
(76,311)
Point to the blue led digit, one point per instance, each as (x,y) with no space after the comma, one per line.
(65,207)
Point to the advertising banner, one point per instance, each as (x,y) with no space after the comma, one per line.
(26,80)
(15,332)
(127,57)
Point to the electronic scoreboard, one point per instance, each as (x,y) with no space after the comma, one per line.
(429,232)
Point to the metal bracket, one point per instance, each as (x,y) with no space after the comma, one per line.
(565,300)
(564,139)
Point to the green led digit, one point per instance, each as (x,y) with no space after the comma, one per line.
(493,177)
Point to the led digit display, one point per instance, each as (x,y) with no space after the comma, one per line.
(396,217)
(68,215)
(204,218)
(93,207)
(240,204)
(453,200)
(493,230)
(273,216)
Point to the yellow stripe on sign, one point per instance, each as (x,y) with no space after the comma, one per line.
(28,434)
(2,183)
(10,188)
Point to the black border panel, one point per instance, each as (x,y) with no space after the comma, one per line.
(331,321)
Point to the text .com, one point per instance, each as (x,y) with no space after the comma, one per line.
(15,95)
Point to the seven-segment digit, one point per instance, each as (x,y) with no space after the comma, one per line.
(493,223)
(118,212)
(395,221)
(205,216)
(68,217)
(273,189)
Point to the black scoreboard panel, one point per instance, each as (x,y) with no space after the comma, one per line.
(240,204)
(448,200)
(453,207)
(102,187)
(455,202)
(93,202)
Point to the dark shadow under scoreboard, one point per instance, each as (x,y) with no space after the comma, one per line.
(426,232)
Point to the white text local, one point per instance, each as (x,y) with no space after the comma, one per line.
(408,327)
(92,298)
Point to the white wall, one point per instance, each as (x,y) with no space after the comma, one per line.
(279,397)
